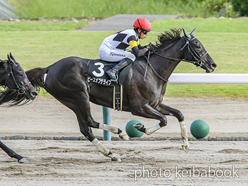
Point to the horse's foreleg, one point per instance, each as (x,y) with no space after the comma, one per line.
(184,135)
(174,112)
(12,153)
(148,131)
(149,112)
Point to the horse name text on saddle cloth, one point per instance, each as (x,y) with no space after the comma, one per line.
(100,81)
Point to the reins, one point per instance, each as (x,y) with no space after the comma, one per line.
(148,63)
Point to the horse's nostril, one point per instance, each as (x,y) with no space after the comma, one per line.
(34,93)
(214,65)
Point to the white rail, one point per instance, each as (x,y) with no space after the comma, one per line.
(213,78)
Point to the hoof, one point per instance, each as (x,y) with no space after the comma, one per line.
(140,127)
(116,159)
(185,148)
(23,160)
(125,137)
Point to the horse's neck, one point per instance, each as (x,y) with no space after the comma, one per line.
(165,66)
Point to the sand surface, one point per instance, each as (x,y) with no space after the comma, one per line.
(152,160)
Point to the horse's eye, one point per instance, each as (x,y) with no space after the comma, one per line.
(20,73)
(198,45)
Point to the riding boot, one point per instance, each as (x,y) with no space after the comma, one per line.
(112,72)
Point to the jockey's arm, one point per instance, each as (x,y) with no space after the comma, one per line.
(135,47)
(142,47)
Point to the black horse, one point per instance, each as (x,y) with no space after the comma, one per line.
(17,90)
(142,96)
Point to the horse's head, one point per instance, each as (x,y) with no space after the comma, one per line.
(14,77)
(195,52)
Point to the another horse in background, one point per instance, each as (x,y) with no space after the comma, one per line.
(17,90)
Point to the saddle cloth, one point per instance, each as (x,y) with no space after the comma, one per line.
(97,73)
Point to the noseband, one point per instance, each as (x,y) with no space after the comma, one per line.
(19,88)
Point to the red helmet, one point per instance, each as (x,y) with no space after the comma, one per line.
(143,24)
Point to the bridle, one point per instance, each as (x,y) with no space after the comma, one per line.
(198,58)
(199,61)
(19,87)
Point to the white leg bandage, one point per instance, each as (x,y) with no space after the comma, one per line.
(152,129)
(101,147)
(184,135)
(183,131)
(109,128)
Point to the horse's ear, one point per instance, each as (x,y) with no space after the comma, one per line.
(11,59)
(192,33)
(11,56)
(186,34)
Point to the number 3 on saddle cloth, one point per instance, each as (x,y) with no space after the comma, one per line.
(97,74)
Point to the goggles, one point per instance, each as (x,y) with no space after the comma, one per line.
(144,32)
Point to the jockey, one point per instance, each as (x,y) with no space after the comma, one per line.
(113,48)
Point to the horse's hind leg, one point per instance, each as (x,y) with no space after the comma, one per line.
(87,132)
(12,154)
(85,120)
(109,128)
(114,130)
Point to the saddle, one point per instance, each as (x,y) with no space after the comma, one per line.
(97,74)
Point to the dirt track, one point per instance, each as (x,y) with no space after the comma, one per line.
(150,162)
(143,163)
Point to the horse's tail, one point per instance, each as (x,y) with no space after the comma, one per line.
(36,77)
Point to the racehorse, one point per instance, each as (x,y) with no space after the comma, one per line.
(18,90)
(142,94)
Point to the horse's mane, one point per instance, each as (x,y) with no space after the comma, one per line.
(11,97)
(168,37)
(35,76)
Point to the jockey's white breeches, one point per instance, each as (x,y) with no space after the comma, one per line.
(114,55)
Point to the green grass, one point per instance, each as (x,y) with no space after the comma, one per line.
(226,25)
(41,25)
(54,45)
(106,8)
(208,90)
(43,48)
